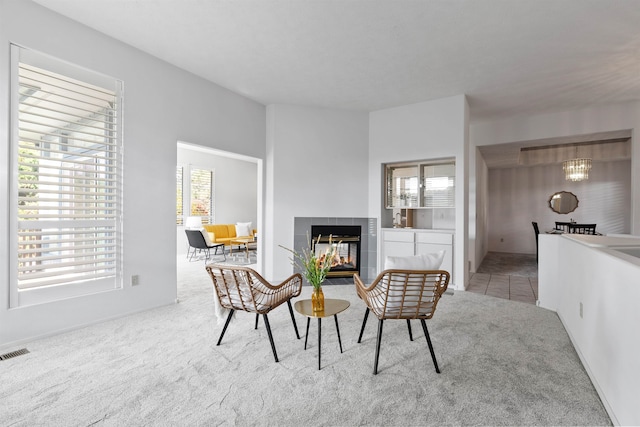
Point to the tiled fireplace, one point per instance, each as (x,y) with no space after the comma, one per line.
(360,256)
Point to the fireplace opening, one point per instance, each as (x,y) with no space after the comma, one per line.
(346,239)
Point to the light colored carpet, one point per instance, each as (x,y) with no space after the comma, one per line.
(502,362)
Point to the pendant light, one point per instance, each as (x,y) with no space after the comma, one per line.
(576,169)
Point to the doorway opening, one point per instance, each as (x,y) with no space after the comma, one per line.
(231,195)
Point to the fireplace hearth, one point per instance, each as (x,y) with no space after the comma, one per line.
(346,239)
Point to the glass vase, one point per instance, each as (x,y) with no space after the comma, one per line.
(317,299)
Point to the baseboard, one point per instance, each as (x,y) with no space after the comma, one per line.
(594,381)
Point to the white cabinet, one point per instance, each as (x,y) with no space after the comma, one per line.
(407,242)
(398,243)
(427,243)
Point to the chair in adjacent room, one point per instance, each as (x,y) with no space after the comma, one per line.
(243,289)
(582,228)
(537,231)
(199,242)
(402,294)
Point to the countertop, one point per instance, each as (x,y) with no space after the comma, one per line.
(604,241)
(616,246)
(431,230)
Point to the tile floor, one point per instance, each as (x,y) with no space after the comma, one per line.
(508,276)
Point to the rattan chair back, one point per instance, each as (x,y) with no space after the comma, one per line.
(404,294)
(242,288)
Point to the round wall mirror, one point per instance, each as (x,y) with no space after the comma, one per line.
(563,202)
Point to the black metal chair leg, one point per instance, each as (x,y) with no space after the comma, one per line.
(295,325)
(364,322)
(335,316)
(375,366)
(409,326)
(426,334)
(224,329)
(257,317)
(273,346)
(223,254)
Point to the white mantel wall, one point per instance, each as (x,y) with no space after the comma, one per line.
(163,104)
(427,130)
(316,166)
(594,119)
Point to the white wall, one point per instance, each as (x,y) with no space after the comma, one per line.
(595,292)
(428,130)
(518,196)
(317,167)
(235,188)
(603,118)
(163,104)
(478,208)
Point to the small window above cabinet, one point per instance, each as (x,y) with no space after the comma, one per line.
(424,184)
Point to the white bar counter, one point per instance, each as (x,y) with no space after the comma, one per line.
(593,283)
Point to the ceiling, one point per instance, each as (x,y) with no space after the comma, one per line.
(510,57)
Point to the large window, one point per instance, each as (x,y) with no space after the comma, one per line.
(67,164)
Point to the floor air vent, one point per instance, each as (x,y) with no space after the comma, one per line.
(14,354)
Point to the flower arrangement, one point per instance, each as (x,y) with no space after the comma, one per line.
(314,268)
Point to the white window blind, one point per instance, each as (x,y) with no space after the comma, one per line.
(179,196)
(202,194)
(439,185)
(67,154)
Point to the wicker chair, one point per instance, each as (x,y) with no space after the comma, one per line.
(242,288)
(403,294)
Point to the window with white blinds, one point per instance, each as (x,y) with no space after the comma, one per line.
(420,185)
(67,175)
(179,196)
(201,194)
(439,185)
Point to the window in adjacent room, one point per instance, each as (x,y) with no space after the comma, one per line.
(179,196)
(201,194)
(67,179)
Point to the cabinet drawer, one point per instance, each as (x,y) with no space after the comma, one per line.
(398,249)
(398,236)
(437,238)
